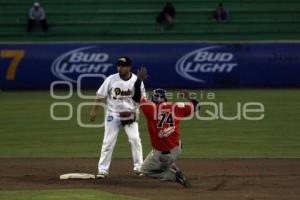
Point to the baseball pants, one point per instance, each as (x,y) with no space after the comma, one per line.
(161,165)
(112,127)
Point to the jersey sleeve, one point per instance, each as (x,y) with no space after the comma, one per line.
(147,107)
(104,88)
(143,91)
(183,109)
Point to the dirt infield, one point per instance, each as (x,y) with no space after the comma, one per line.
(211,179)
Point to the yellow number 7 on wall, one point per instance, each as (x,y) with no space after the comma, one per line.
(16,56)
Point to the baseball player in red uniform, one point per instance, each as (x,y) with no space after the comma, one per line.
(163,120)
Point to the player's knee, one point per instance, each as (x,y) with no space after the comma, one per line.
(145,170)
(107,147)
(135,141)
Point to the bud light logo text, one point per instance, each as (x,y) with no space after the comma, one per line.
(85,60)
(196,65)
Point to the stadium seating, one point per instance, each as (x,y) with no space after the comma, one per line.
(91,20)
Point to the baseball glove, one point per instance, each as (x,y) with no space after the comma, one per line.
(127,118)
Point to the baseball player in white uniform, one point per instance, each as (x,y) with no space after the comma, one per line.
(121,111)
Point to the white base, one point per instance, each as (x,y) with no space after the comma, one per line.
(76,176)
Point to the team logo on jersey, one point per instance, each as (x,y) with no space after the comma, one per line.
(166,132)
(213,59)
(110,118)
(85,60)
(119,92)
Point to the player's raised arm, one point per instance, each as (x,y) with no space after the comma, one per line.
(195,102)
(142,74)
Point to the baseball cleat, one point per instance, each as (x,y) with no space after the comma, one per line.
(101,175)
(182,180)
(138,173)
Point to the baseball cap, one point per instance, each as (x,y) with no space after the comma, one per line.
(36,4)
(124,61)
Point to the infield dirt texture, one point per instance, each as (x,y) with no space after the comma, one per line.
(211,179)
(230,160)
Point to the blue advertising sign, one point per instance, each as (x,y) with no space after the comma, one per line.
(170,65)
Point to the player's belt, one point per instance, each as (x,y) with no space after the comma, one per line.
(167,152)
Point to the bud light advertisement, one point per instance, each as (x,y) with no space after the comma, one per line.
(170,65)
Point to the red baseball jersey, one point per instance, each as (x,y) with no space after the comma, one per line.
(163,122)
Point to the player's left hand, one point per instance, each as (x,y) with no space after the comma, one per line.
(142,73)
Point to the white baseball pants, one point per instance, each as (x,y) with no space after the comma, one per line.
(112,127)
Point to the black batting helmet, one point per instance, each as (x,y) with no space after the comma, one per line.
(159,95)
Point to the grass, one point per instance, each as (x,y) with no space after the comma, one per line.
(63,195)
(27,130)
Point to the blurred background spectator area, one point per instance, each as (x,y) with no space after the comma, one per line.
(78,20)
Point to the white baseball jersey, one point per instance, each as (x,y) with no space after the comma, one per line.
(118,93)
